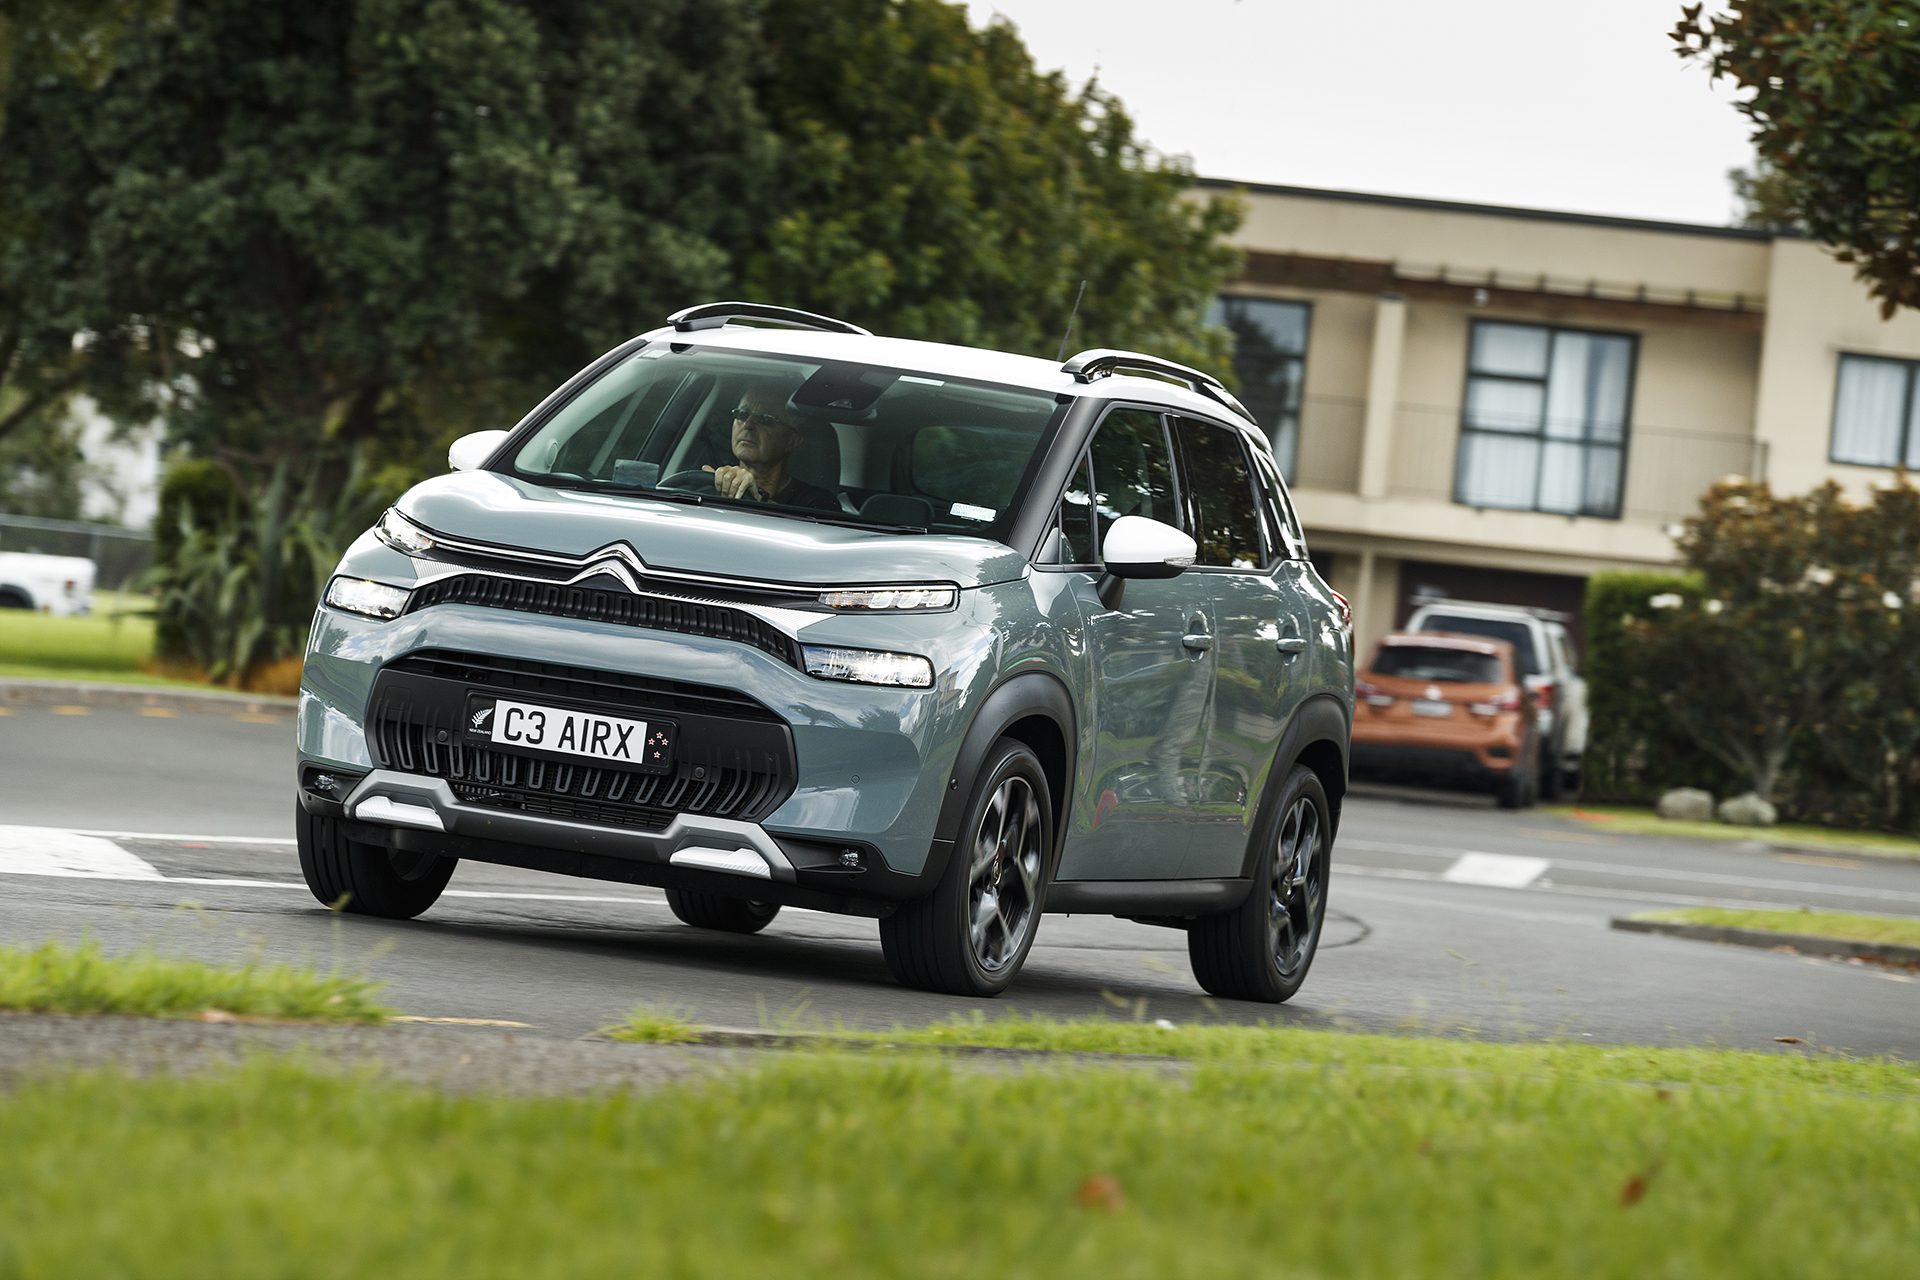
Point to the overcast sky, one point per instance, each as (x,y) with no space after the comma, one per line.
(1553,104)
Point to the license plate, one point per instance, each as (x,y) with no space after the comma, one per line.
(1429,707)
(532,727)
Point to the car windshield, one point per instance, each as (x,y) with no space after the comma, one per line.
(1517,634)
(837,441)
(1445,666)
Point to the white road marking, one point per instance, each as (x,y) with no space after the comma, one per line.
(34,851)
(1631,871)
(1501,870)
(172,836)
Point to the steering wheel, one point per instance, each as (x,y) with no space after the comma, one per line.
(697,479)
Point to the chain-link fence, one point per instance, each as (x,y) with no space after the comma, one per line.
(119,555)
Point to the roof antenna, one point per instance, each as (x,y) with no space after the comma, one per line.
(1070,316)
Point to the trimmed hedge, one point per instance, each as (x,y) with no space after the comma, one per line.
(1634,750)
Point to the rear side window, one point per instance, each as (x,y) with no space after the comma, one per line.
(1226,515)
(1447,666)
(1517,634)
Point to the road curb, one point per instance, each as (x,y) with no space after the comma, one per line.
(1806,944)
(15,692)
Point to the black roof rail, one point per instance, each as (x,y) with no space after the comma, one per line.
(1105,361)
(712,315)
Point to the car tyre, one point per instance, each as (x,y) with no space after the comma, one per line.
(1261,950)
(1516,791)
(1548,773)
(970,936)
(366,879)
(729,915)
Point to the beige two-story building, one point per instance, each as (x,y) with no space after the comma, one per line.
(1493,403)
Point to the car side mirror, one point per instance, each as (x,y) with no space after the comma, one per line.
(469,451)
(1137,547)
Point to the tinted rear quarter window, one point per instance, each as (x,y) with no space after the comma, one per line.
(1415,662)
(1518,634)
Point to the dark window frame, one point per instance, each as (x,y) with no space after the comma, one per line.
(1912,369)
(1271,429)
(1586,442)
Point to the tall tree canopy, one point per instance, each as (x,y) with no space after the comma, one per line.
(287,226)
(1835,103)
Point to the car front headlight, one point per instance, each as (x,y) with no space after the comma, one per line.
(367,598)
(868,666)
(403,534)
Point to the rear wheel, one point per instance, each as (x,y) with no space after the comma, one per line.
(1262,949)
(1548,773)
(366,879)
(730,915)
(970,936)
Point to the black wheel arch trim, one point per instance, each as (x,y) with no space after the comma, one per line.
(1016,698)
(1321,718)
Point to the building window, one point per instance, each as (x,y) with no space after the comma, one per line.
(1269,362)
(1545,426)
(1876,412)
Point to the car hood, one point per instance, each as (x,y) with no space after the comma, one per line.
(485,506)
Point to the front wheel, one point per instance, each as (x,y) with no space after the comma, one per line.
(970,936)
(730,915)
(1261,950)
(366,879)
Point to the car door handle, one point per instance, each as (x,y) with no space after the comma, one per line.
(1290,645)
(1198,641)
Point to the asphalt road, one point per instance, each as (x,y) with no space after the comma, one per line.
(1447,916)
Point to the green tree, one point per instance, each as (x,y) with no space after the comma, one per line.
(932,183)
(387,220)
(1800,644)
(1765,204)
(1834,95)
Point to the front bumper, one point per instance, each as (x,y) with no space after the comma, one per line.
(419,814)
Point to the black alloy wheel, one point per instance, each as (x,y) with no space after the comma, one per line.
(1262,949)
(970,936)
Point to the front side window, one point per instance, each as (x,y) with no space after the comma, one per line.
(1220,494)
(1269,363)
(838,441)
(1128,472)
(1545,424)
(1876,412)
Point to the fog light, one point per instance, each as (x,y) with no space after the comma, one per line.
(851,860)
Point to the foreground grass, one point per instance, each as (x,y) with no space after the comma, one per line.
(55,978)
(1627,820)
(857,1165)
(1818,924)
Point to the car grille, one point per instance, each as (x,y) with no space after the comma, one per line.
(733,758)
(606,604)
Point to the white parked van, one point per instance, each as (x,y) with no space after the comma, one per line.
(61,585)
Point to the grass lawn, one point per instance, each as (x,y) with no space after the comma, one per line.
(1818,924)
(878,1165)
(1628,820)
(90,648)
(54,978)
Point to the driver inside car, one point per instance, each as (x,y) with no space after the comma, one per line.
(763,439)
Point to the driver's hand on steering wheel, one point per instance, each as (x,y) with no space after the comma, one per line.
(733,482)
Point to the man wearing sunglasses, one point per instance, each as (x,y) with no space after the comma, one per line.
(764,437)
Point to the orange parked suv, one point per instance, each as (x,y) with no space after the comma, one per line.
(1447,706)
